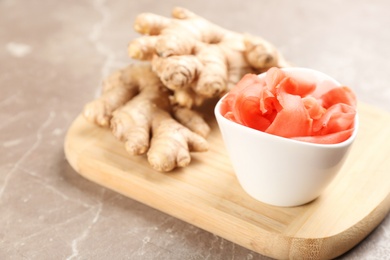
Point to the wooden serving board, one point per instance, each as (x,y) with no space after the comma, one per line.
(208,195)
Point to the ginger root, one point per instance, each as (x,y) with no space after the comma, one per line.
(136,106)
(196,58)
(118,88)
(150,107)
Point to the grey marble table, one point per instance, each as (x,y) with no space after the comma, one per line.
(53,57)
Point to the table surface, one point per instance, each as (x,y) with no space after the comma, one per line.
(53,57)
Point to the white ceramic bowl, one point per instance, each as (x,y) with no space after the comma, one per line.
(281,171)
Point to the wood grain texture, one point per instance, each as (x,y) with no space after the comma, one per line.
(207,194)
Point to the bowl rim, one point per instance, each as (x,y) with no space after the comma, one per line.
(344,143)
